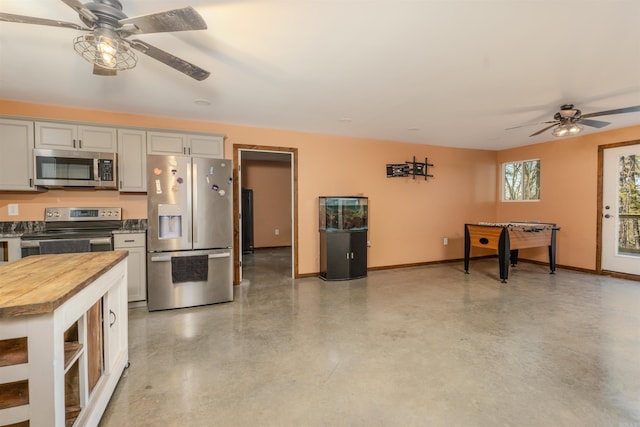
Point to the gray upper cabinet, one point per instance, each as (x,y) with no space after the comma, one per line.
(166,143)
(68,136)
(16,161)
(206,146)
(211,146)
(132,160)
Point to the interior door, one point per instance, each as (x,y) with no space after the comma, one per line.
(621,210)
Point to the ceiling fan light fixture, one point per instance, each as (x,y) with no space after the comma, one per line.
(567,129)
(105,49)
(575,128)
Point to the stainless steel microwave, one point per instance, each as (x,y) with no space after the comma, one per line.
(66,168)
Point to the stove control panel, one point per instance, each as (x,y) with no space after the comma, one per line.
(82,214)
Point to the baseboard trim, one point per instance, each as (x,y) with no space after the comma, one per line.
(448,261)
(617,275)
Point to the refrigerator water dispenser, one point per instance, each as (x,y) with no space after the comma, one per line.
(169,221)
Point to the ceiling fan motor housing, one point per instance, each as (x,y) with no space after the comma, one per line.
(109,12)
(567,112)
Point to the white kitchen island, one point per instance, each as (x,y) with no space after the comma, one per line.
(63,337)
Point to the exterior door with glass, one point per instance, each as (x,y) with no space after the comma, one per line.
(621,210)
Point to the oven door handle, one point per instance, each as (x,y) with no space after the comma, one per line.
(36,243)
(164,258)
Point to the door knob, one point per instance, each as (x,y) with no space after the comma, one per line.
(607,207)
(607,216)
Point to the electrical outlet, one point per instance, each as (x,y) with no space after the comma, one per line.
(445,241)
(12,209)
(277,231)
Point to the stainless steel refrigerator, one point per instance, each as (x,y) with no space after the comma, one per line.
(190,231)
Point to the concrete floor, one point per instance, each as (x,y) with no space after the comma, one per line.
(421,346)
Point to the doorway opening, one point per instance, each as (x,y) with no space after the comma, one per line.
(273,240)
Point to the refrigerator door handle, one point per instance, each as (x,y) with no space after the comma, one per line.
(164,258)
(224,255)
(194,211)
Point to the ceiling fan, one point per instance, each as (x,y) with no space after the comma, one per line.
(569,120)
(107,45)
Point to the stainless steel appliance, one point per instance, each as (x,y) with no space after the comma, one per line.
(190,231)
(73,230)
(61,168)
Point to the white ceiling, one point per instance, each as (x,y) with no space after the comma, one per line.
(450,72)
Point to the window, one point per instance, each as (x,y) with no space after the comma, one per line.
(521,180)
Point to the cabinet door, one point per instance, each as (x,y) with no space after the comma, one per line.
(132,160)
(206,146)
(358,254)
(115,326)
(338,255)
(166,143)
(16,161)
(94,138)
(136,269)
(56,135)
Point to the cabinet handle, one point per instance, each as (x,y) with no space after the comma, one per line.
(74,143)
(351,255)
(79,143)
(30,182)
(347,255)
(184,150)
(129,241)
(114,318)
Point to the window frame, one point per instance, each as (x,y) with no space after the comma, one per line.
(503,175)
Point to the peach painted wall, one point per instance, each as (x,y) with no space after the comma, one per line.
(271,185)
(568,193)
(407,218)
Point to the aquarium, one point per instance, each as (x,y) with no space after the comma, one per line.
(344,213)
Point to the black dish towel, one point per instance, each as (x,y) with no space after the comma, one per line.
(64,246)
(189,268)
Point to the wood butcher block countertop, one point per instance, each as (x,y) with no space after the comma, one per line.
(41,283)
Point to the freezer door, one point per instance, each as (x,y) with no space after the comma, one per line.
(212,203)
(189,278)
(169,203)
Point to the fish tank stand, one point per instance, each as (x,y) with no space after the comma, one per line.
(343,237)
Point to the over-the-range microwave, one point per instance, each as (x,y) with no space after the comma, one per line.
(66,168)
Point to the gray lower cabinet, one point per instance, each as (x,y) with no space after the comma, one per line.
(343,254)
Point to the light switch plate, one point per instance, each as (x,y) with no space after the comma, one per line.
(12,209)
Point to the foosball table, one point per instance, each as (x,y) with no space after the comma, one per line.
(507,239)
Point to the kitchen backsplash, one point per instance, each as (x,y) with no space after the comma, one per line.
(21,227)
